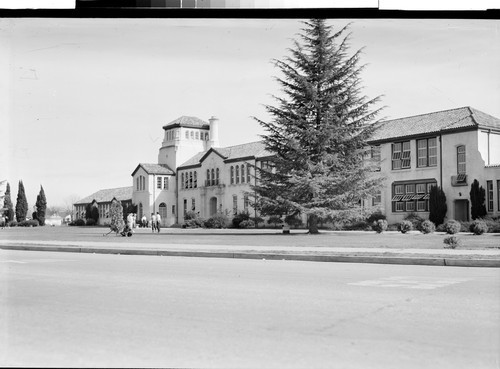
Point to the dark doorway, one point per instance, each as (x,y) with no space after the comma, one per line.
(462,210)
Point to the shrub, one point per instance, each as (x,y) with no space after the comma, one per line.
(478,227)
(437,205)
(293,221)
(441,228)
(28,223)
(274,219)
(375,216)
(452,226)
(79,222)
(464,226)
(380,225)
(427,227)
(257,220)
(238,218)
(415,219)
(452,242)
(392,227)
(90,222)
(247,224)
(190,215)
(193,220)
(405,226)
(12,223)
(219,220)
(355,226)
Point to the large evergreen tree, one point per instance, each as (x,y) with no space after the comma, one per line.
(477,199)
(437,205)
(318,131)
(116,214)
(21,203)
(41,206)
(9,213)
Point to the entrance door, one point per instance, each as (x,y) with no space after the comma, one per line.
(213,206)
(163,213)
(462,210)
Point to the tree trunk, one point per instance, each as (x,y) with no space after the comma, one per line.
(313,224)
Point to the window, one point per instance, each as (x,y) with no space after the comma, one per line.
(192,135)
(197,136)
(158,182)
(461,168)
(187,134)
(182,180)
(195,179)
(242,173)
(173,209)
(235,204)
(245,203)
(165,183)
(232,174)
(208,177)
(217,176)
(411,196)
(190,179)
(185,203)
(489,193)
(193,204)
(401,155)
(377,198)
(498,195)
(237,174)
(213,177)
(163,210)
(248,173)
(375,155)
(427,152)
(137,183)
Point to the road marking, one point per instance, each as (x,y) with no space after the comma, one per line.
(419,283)
(13,261)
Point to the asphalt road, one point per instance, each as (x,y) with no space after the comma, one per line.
(65,309)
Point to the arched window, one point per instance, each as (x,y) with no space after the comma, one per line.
(208,178)
(163,212)
(217,176)
(186,183)
(237,174)
(232,174)
(242,173)
(461,168)
(248,173)
(137,183)
(190,179)
(213,177)
(195,184)
(182,180)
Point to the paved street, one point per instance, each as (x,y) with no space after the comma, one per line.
(67,309)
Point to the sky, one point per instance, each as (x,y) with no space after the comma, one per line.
(86,99)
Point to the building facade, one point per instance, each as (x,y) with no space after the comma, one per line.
(102,201)
(449,149)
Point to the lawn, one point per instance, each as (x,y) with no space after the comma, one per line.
(255,237)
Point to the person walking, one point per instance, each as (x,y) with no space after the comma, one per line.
(158,222)
(153,222)
(144,221)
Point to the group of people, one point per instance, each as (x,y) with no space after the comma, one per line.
(154,222)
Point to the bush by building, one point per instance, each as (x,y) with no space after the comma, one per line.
(452,226)
(28,223)
(415,219)
(380,225)
(238,218)
(249,223)
(427,227)
(405,226)
(219,220)
(478,227)
(452,242)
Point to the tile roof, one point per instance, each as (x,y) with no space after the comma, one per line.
(255,149)
(441,121)
(120,193)
(154,168)
(187,121)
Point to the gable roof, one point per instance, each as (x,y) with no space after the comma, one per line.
(154,169)
(120,193)
(255,149)
(186,121)
(437,122)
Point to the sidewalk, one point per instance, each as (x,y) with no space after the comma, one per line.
(436,257)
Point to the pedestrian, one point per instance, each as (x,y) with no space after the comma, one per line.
(2,221)
(134,224)
(144,221)
(158,221)
(153,222)
(130,220)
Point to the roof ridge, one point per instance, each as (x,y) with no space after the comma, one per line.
(243,144)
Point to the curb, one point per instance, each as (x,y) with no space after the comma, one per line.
(489,263)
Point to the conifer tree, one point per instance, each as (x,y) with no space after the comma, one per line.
(437,205)
(9,213)
(21,203)
(477,198)
(318,131)
(41,206)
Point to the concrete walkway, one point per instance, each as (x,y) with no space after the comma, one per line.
(438,257)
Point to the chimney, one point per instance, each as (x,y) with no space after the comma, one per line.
(214,132)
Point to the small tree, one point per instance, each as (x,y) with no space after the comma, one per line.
(9,213)
(21,203)
(437,205)
(116,215)
(41,207)
(477,198)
